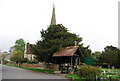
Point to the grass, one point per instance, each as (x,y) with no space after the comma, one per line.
(113,73)
(75,77)
(33,69)
(105,76)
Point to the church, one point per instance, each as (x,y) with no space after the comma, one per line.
(70,55)
(28,53)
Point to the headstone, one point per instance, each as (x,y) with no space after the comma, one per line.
(101,79)
(104,71)
(109,70)
(113,67)
(118,72)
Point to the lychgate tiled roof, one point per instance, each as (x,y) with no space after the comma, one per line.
(66,51)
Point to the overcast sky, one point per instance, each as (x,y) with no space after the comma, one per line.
(96,21)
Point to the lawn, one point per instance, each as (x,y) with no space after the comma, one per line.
(33,69)
(110,72)
(106,75)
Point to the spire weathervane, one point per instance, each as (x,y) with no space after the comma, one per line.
(53,4)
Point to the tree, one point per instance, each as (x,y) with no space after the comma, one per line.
(111,55)
(19,46)
(86,52)
(119,58)
(4,56)
(55,37)
(96,56)
(17,57)
(0,57)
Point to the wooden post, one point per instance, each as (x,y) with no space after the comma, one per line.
(79,61)
(71,60)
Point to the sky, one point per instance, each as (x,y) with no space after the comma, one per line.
(96,21)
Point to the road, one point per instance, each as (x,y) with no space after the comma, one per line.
(9,72)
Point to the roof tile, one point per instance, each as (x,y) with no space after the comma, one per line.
(66,51)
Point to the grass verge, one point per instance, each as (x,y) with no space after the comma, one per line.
(33,69)
(75,77)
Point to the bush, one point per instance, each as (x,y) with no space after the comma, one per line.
(23,60)
(5,61)
(32,61)
(89,71)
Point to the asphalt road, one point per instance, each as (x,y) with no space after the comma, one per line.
(9,72)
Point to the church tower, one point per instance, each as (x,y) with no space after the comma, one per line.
(53,19)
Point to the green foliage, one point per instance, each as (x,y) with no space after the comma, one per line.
(19,46)
(96,56)
(3,56)
(5,61)
(16,56)
(32,61)
(18,51)
(112,72)
(0,57)
(89,71)
(111,55)
(86,52)
(89,61)
(103,75)
(55,37)
(23,60)
(74,76)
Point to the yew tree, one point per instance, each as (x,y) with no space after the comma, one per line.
(55,37)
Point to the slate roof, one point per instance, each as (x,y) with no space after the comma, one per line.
(66,51)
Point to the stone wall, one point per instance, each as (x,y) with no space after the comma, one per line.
(41,66)
(50,66)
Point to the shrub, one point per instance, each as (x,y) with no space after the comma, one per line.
(5,61)
(32,61)
(23,60)
(89,71)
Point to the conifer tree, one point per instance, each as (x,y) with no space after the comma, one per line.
(55,37)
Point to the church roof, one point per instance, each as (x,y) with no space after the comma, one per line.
(66,51)
(28,48)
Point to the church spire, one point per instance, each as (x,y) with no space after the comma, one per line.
(53,19)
